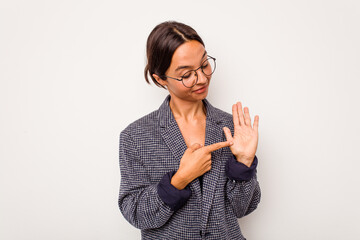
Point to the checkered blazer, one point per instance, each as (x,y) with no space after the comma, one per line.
(153,146)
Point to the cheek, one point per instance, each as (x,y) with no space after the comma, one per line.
(177,87)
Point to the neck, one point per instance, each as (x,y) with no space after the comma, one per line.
(187,110)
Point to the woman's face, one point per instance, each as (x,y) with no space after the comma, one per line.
(188,56)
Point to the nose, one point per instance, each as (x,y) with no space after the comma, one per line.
(202,78)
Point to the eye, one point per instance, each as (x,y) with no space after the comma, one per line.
(205,64)
(186,75)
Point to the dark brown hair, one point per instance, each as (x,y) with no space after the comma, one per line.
(161,44)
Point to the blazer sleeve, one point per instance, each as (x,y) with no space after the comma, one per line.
(242,188)
(144,204)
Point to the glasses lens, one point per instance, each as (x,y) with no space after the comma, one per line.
(189,78)
(208,67)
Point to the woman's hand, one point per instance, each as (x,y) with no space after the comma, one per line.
(245,137)
(195,162)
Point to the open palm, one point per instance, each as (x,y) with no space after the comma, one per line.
(245,139)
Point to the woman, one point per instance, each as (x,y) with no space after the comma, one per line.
(188,169)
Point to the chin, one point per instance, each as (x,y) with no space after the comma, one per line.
(199,97)
(200,92)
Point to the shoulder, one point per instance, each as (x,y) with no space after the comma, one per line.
(147,128)
(217,114)
(222,115)
(147,123)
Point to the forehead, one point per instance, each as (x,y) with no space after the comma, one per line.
(189,53)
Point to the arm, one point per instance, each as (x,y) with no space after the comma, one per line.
(242,187)
(140,201)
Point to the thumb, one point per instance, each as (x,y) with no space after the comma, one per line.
(227,134)
(195,147)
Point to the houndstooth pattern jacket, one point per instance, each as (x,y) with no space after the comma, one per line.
(153,146)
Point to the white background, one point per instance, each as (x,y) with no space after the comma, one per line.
(71,78)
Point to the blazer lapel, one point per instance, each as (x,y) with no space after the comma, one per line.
(214,134)
(174,140)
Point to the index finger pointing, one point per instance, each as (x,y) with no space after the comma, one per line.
(216,146)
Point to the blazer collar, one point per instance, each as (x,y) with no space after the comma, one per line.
(166,116)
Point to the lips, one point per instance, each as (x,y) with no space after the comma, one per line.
(201,90)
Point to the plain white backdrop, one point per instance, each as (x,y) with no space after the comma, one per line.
(71,78)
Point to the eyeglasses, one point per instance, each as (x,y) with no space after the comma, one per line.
(190,78)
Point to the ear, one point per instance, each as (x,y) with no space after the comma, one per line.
(159,80)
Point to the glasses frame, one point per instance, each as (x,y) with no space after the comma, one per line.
(195,70)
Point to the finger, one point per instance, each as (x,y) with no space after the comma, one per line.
(247,116)
(228,135)
(240,113)
(216,146)
(195,147)
(208,168)
(235,116)
(256,123)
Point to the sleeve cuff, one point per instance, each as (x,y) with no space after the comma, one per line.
(170,195)
(238,171)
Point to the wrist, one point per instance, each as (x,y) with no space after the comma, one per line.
(245,160)
(178,181)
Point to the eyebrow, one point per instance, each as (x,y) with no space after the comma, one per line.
(182,67)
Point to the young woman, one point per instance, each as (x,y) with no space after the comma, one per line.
(188,169)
